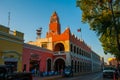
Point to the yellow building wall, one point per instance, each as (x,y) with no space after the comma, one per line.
(11,44)
(4,29)
(67,45)
(40,41)
(50,44)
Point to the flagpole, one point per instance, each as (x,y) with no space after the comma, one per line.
(79,30)
(81,35)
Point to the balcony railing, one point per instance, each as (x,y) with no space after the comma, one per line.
(11,32)
(60,53)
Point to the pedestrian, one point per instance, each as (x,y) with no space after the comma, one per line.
(24,70)
(61,71)
(35,71)
(116,75)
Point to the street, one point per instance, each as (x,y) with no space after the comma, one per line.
(95,76)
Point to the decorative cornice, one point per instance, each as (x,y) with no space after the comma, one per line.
(10,36)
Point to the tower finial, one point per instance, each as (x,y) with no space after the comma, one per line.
(54,13)
(54,18)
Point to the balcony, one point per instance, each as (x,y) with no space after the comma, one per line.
(60,53)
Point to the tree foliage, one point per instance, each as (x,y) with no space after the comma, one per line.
(99,15)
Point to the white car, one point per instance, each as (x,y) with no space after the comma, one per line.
(109,72)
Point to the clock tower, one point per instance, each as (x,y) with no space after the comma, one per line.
(54,25)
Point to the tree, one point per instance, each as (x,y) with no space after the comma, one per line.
(103,17)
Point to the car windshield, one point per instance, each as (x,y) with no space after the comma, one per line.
(1,73)
(68,68)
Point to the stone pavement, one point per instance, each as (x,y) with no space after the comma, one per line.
(48,77)
(55,77)
(51,78)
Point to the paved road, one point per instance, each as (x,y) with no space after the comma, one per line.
(95,76)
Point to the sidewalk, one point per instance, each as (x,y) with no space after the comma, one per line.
(52,77)
(55,77)
(48,77)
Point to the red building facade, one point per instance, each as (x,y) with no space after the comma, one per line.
(39,58)
(58,50)
(34,56)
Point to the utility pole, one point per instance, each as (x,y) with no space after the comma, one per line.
(8,19)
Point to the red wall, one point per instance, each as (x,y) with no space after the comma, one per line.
(43,56)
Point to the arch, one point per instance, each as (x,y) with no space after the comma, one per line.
(72,63)
(59,64)
(34,64)
(75,66)
(77,50)
(74,49)
(49,63)
(58,58)
(78,67)
(10,51)
(11,57)
(59,47)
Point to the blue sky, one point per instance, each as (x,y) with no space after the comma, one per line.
(28,15)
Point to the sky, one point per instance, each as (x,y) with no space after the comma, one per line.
(28,15)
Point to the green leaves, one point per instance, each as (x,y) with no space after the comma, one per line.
(98,13)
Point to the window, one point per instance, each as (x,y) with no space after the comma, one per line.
(44,45)
(74,49)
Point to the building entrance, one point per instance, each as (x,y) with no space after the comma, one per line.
(34,64)
(59,65)
(12,65)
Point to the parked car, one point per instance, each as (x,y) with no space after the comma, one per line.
(110,72)
(7,74)
(20,76)
(68,72)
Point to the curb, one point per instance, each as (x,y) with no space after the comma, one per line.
(60,76)
(51,77)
